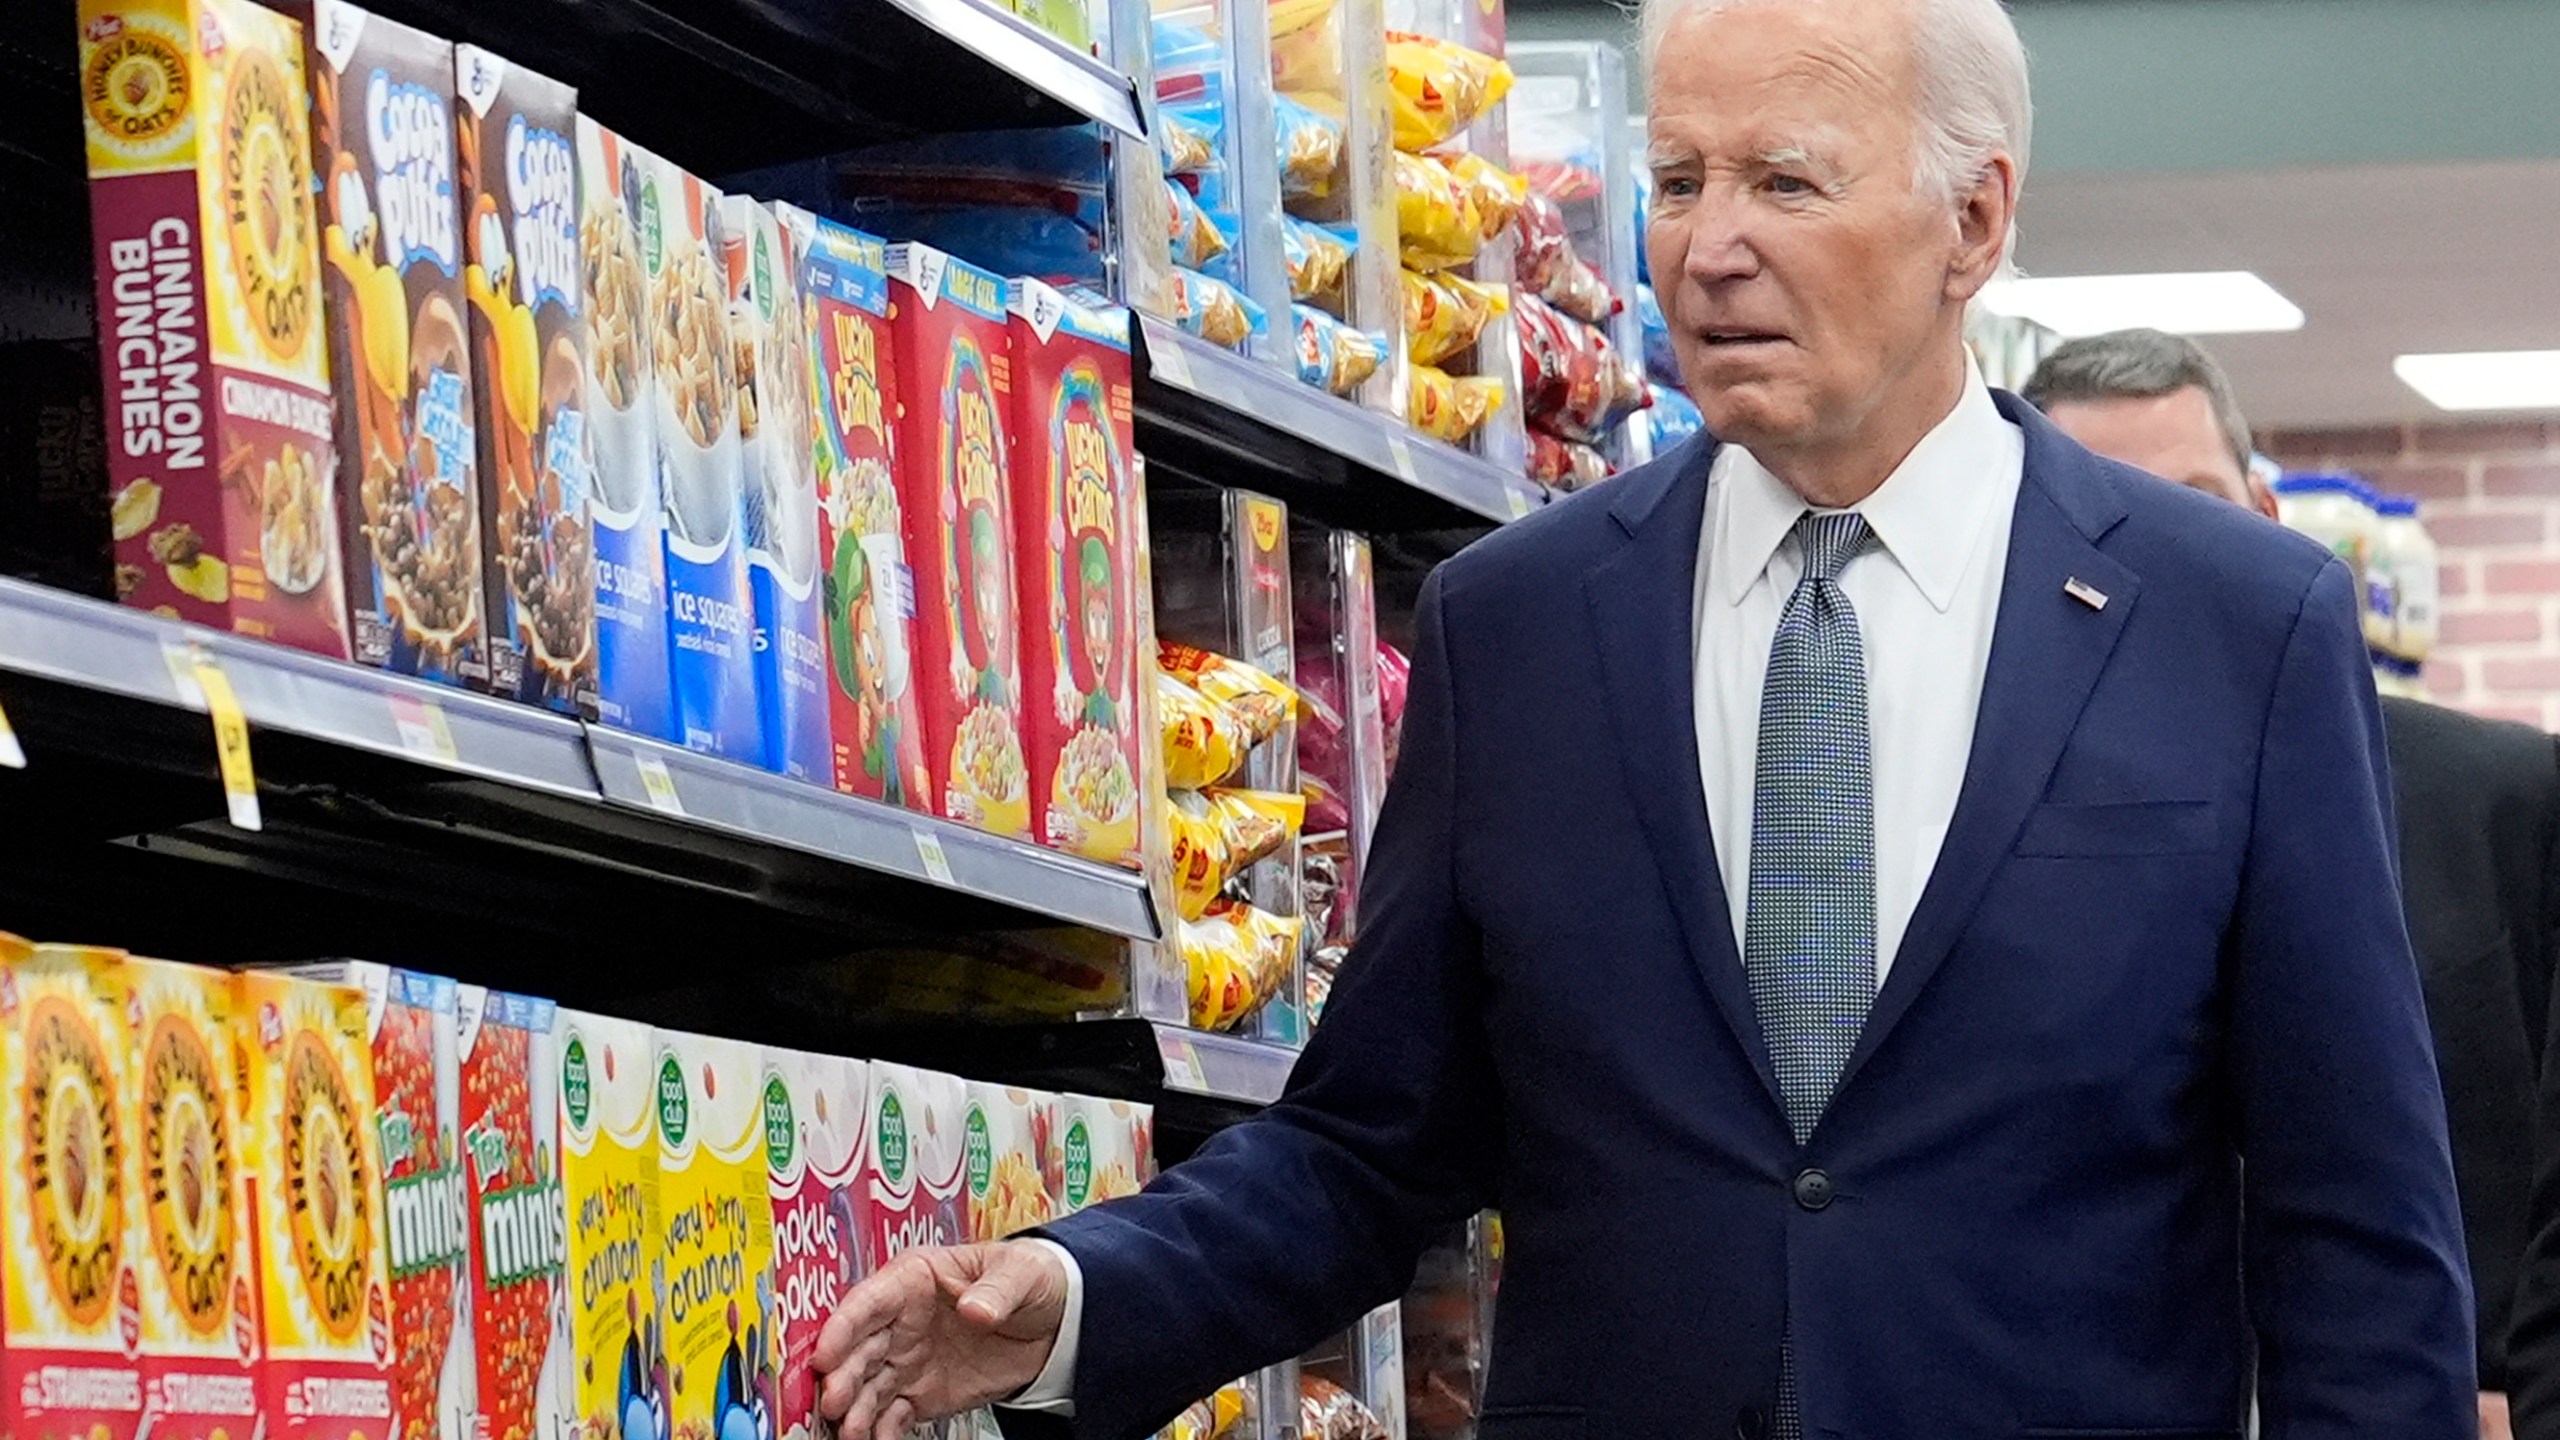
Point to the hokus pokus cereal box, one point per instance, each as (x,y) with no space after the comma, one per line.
(816,1109)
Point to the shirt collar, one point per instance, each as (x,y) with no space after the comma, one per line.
(1926,514)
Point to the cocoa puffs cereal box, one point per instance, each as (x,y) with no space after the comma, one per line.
(1076,543)
(210,335)
(715,1212)
(947,319)
(914,1166)
(519,1228)
(816,1108)
(315,1193)
(609,1171)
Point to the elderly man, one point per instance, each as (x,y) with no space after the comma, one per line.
(1852,896)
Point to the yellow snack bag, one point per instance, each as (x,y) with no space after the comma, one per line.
(1440,88)
(1203,741)
(1498,194)
(1216,834)
(1258,699)
(1443,314)
(1450,407)
(1436,219)
(1238,958)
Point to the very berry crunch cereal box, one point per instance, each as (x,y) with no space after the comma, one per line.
(609,1169)
(816,1108)
(209,328)
(914,1163)
(519,1229)
(716,1224)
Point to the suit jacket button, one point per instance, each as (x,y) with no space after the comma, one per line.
(1813,1189)
(1750,1424)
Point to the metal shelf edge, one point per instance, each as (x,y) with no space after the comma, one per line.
(1075,80)
(1223,1067)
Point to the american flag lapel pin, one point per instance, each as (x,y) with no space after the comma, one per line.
(2084,592)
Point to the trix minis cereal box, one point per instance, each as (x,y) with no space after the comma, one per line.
(399,346)
(315,1190)
(71,1325)
(1105,1149)
(1076,543)
(519,167)
(868,593)
(519,1228)
(948,320)
(1006,1135)
(716,1229)
(816,1108)
(199,1276)
(209,327)
(634,688)
(417,1087)
(781,495)
(914,1164)
(609,1169)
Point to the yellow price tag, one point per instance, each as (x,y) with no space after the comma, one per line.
(1519,502)
(937,865)
(424,732)
(660,785)
(200,679)
(12,755)
(1400,455)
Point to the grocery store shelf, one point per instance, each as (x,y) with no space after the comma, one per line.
(1215,414)
(1038,59)
(1223,1067)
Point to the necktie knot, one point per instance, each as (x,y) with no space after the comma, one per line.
(1829,541)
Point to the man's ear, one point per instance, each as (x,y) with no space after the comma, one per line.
(2262,499)
(1985,217)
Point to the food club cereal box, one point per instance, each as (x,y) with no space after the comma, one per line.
(1075,564)
(199,1275)
(716,1231)
(1006,1138)
(914,1163)
(868,592)
(711,619)
(70,1238)
(391,237)
(519,1228)
(609,1170)
(1104,1149)
(209,325)
(947,317)
(815,1111)
(315,1192)
(519,173)
(780,490)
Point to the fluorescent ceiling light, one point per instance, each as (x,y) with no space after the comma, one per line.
(2215,302)
(2487,380)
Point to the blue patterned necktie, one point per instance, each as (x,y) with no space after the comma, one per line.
(1809,935)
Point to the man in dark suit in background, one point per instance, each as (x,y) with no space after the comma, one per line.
(2479,807)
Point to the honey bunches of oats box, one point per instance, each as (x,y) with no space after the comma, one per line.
(609,1170)
(519,1228)
(198,1270)
(70,1231)
(914,1167)
(219,435)
(1104,1150)
(716,1228)
(315,1193)
(816,1110)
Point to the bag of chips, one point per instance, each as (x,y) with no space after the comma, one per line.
(1316,256)
(1216,834)
(1310,149)
(1237,958)
(1573,382)
(1204,742)
(1260,700)
(1436,220)
(1196,239)
(1306,48)
(1564,464)
(1544,245)
(1443,314)
(1332,356)
(1326,1411)
(1187,138)
(1448,407)
(1498,194)
(1439,87)
(1213,309)
(1216,1418)
(1578,290)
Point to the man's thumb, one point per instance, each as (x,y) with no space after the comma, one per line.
(999,1291)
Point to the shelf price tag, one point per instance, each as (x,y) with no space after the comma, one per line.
(1518,500)
(424,732)
(1171,365)
(1400,455)
(12,755)
(937,864)
(660,786)
(1181,1063)
(200,680)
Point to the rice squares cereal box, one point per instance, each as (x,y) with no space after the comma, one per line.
(948,319)
(1006,1135)
(519,1227)
(816,1108)
(210,334)
(1076,541)
(517,154)
(315,1192)
(200,1340)
(867,595)
(914,1166)
(70,1235)
(711,617)
(609,1170)
(634,688)
(399,346)
(715,1209)
(1104,1149)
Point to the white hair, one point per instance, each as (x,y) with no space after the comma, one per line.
(1974,101)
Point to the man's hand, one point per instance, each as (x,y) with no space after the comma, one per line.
(2494,1424)
(937,1332)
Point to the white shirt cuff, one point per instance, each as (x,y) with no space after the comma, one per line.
(1052,1392)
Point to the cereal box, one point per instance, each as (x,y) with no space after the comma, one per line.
(1006,1137)
(217,373)
(519,1227)
(1105,1149)
(1075,556)
(914,1163)
(869,594)
(71,1324)
(519,165)
(315,1193)
(609,1169)
(716,1229)
(711,617)
(779,490)
(634,686)
(816,1108)
(947,317)
(391,239)
(199,1274)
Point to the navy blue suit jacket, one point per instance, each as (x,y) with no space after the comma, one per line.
(2163,935)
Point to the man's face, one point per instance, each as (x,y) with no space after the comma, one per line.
(1807,280)
(2173,436)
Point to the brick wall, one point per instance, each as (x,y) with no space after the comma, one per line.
(2489,492)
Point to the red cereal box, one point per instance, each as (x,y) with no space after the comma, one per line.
(1076,543)
(210,338)
(913,1189)
(817,1110)
(947,317)
(519,1223)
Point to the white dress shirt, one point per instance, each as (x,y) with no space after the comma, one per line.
(1926,595)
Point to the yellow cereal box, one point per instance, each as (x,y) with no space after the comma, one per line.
(1006,1138)
(315,1191)
(609,1169)
(716,1217)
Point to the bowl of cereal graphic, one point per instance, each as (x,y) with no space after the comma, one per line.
(620,370)
(697,406)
